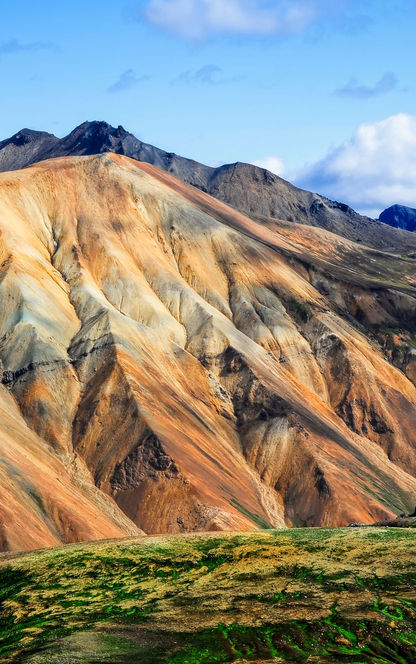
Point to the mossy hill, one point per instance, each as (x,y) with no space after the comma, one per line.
(317,595)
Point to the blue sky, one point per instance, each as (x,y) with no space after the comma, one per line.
(321,91)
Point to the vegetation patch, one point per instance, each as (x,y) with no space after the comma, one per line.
(301,311)
(295,595)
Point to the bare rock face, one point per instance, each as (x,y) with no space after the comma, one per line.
(171,365)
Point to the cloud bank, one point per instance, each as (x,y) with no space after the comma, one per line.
(372,170)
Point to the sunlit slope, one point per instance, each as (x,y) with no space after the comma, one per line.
(201,370)
(295,595)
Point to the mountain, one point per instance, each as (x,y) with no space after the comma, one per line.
(400,216)
(170,365)
(249,189)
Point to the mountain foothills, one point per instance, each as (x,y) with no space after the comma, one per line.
(171,363)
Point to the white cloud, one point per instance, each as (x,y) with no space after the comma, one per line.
(200,18)
(273,164)
(372,170)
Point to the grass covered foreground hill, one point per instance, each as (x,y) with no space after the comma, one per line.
(316,595)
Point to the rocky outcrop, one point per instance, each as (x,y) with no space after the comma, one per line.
(175,365)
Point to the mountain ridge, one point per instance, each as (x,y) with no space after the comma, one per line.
(248,188)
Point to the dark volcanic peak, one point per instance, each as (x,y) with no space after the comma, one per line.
(26,136)
(400,216)
(26,147)
(97,125)
(94,138)
(250,189)
(93,129)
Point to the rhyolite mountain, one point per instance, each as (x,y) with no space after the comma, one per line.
(170,364)
(249,189)
(400,216)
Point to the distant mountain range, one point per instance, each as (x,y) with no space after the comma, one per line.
(250,189)
(400,216)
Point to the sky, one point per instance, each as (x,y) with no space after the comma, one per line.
(322,92)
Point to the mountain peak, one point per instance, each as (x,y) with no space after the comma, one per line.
(400,216)
(90,127)
(25,136)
